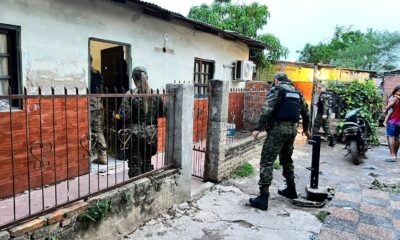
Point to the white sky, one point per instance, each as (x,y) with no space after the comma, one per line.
(297,22)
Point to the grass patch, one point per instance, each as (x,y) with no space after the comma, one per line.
(321,215)
(243,170)
(277,164)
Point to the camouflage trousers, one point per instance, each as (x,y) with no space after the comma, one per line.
(279,141)
(318,122)
(97,124)
(139,154)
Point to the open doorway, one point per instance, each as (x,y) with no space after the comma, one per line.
(112,60)
(110,64)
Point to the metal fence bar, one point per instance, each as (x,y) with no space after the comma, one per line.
(244,111)
(47,187)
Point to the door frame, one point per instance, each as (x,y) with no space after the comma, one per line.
(127,55)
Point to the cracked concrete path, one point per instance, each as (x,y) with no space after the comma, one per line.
(223,213)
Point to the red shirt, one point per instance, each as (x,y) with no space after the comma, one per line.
(394,118)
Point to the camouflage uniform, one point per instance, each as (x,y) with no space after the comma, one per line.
(280,138)
(323,106)
(96,118)
(142,128)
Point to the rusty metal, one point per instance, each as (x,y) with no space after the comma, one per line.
(244,109)
(54,133)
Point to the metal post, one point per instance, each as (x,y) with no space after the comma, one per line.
(316,142)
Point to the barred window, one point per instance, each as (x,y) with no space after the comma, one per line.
(203,72)
(9,60)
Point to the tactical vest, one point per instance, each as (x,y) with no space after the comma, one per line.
(289,105)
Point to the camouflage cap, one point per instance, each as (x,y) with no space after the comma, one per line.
(137,72)
(280,75)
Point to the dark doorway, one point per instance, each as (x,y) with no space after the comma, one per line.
(114,69)
(112,60)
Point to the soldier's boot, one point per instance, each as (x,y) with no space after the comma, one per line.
(101,158)
(332,141)
(260,202)
(289,192)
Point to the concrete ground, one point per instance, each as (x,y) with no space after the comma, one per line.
(223,212)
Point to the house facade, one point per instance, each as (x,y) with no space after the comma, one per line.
(51,43)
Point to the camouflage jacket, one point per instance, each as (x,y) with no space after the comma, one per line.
(324,103)
(132,110)
(266,117)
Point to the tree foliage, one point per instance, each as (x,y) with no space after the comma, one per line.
(362,95)
(372,50)
(244,19)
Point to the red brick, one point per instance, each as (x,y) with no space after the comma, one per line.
(54,217)
(75,209)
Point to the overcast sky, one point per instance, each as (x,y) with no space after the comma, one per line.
(297,22)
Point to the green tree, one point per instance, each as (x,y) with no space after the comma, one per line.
(373,50)
(244,19)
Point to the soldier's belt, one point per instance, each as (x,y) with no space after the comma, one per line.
(286,123)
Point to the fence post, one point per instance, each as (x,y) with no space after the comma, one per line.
(179,142)
(218,97)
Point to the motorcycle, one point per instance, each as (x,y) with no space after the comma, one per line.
(354,131)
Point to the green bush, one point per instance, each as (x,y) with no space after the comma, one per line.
(362,95)
(243,170)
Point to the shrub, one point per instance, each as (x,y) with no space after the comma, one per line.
(97,212)
(362,95)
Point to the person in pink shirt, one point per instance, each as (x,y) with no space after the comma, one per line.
(393,124)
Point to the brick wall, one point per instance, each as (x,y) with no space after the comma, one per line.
(390,82)
(239,152)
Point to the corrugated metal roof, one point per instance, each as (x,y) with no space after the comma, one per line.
(157,11)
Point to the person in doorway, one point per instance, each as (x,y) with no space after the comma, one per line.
(279,116)
(322,118)
(140,115)
(96,116)
(393,124)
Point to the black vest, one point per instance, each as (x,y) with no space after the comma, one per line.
(289,104)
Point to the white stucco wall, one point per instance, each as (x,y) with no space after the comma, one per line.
(55,34)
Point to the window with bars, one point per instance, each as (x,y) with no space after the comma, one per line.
(203,72)
(9,61)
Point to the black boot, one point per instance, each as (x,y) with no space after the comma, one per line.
(260,202)
(289,192)
(332,141)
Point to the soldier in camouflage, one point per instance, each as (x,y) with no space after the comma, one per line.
(279,116)
(139,116)
(322,117)
(96,116)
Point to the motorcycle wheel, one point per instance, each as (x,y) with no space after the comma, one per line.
(355,156)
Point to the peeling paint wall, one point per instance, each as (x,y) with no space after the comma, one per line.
(55,36)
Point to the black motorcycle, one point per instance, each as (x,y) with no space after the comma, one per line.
(354,132)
